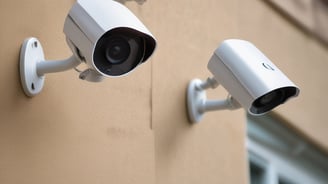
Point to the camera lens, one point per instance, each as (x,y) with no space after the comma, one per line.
(117,51)
(268,98)
(272,99)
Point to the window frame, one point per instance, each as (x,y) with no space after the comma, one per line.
(283,153)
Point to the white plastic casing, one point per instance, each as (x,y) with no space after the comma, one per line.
(245,72)
(89,20)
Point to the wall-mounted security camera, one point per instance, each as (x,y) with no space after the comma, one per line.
(103,34)
(252,80)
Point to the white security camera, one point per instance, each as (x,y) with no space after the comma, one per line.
(107,36)
(252,80)
(103,34)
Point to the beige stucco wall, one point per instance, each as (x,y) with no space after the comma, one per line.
(135,129)
(74,131)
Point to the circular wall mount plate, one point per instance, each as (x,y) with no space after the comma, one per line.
(195,98)
(31,54)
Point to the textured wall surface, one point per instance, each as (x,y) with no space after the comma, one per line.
(135,129)
(74,131)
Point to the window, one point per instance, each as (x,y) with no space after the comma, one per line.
(278,155)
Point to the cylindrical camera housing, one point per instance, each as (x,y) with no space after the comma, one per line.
(108,37)
(250,77)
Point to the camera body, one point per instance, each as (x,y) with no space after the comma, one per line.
(250,77)
(109,38)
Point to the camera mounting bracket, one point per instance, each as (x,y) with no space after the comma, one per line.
(31,53)
(33,66)
(198,103)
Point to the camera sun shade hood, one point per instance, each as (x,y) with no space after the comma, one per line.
(92,17)
(251,78)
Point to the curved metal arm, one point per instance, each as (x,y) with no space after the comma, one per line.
(212,105)
(44,67)
(209,83)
